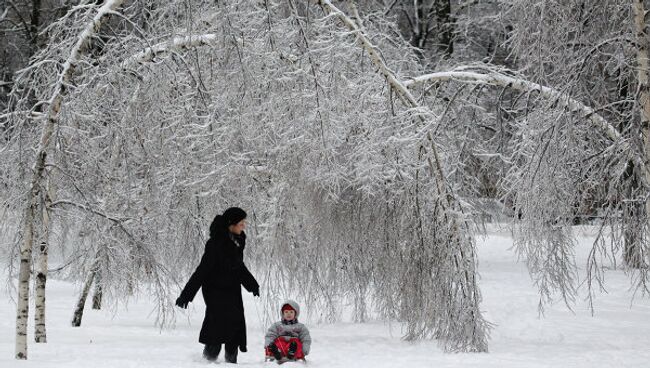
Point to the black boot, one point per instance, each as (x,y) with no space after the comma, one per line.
(291,354)
(275,351)
(231,354)
(211,352)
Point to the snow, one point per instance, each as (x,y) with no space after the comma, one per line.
(617,335)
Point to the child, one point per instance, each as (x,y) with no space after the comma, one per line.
(288,337)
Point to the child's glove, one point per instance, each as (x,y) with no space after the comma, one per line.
(256,292)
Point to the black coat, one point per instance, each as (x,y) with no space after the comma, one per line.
(219,275)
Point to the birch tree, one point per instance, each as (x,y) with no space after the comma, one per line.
(595,39)
(38,168)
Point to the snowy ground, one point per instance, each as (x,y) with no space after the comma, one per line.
(618,335)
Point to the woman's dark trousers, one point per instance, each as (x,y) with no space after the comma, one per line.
(211,352)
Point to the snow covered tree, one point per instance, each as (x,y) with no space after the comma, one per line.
(355,155)
(594,52)
(149,148)
(36,187)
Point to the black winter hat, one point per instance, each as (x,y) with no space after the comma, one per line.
(233,215)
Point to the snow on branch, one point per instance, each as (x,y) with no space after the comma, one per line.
(402,90)
(114,219)
(494,78)
(372,52)
(177,43)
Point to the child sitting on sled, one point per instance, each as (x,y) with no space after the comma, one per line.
(287,339)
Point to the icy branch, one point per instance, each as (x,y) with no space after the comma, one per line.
(501,80)
(372,52)
(177,43)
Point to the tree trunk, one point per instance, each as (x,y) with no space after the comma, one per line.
(445,24)
(633,211)
(22,305)
(41,275)
(35,25)
(634,256)
(99,293)
(81,303)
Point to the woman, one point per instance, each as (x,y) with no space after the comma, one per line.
(219,275)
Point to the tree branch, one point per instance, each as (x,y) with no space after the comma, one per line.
(163,48)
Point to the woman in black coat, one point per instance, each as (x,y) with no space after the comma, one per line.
(219,275)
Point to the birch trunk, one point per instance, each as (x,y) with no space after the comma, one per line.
(40,334)
(81,303)
(22,305)
(634,250)
(38,169)
(98,294)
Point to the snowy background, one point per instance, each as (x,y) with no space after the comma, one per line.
(616,336)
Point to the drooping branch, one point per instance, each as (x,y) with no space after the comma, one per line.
(118,221)
(398,86)
(467,331)
(395,84)
(561,99)
(519,84)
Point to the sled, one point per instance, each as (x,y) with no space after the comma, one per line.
(268,357)
(283,360)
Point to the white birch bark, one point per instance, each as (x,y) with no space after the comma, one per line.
(40,334)
(38,168)
(634,255)
(22,308)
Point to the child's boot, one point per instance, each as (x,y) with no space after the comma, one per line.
(275,351)
(291,354)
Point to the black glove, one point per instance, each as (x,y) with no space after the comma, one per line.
(182,302)
(256,292)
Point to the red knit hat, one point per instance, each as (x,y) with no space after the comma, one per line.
(287,307)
